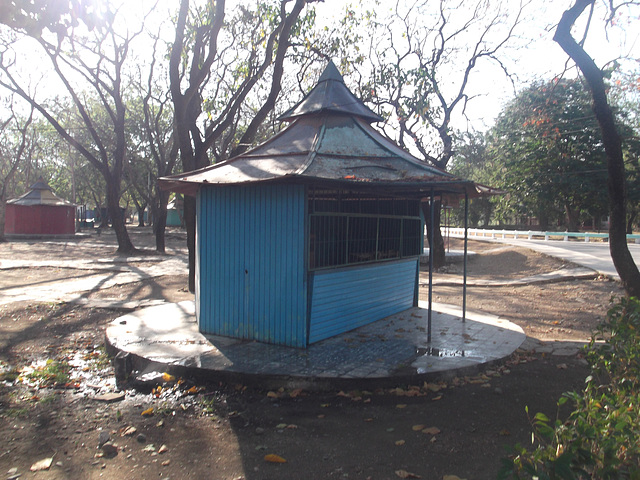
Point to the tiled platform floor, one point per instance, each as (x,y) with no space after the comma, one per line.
(390,351)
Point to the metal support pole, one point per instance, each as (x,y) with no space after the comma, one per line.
(431,237)
(466,238)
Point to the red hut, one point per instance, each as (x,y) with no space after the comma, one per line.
(40,212)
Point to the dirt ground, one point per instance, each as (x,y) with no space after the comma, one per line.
(53,369)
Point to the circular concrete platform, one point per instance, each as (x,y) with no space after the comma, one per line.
(390,352)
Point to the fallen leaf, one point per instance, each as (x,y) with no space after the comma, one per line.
(167,377)
(295,393)
(418,428)
(281,426)
(504,432)
(193,390)
(401,405)
(272,458)
(272,394)
(452,477)
(163,449)
(439,397)
(148,412)
(109,397)
(129,431)
(43,464)
(431,430)
(562,366)
(405,474)
(400,442)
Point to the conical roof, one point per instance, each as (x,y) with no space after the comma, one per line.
(39,194)
(330,95)
(328,143)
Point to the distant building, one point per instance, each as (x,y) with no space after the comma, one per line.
(39,212)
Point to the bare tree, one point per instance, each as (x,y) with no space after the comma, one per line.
(16,145)
(422,62)
(96,62)
(616,183)
(158,135)
(198,38)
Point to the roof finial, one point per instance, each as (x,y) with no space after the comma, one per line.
(330,95)
(331,72)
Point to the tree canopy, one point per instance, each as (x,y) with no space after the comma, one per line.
(550,155)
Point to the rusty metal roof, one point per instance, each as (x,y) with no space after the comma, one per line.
(39,194)
(330,95)
(327,144)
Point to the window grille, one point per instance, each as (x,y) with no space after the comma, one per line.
(348,229)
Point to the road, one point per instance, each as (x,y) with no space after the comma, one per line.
(594,255)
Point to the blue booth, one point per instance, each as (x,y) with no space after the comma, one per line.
(315,232)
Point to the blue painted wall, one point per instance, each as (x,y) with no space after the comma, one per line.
(344,299)
(251,275)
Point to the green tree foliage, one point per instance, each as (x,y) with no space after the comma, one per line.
(58,16)
(625,96)
(225,67)
(16,147)
(611,136)
(90,67)
(548,155)
(471,161)
(599,439)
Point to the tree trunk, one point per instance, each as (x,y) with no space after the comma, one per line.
(160,221)
(543,221)
(190,225)
(118,219)
(140,208)
(571,218)
(487,210)
(439,256)
(3,207)
(616,182)
(630,222)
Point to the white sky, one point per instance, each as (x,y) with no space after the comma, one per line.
(539,58)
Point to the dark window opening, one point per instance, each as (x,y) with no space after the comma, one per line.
(347,228)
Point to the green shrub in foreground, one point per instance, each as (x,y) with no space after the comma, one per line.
(601,437)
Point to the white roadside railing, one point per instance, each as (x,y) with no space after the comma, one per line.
(531,234)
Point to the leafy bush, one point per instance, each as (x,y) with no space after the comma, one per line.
(601,437)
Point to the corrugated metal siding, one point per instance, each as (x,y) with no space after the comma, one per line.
(251,251)
(352,297)
(40,219)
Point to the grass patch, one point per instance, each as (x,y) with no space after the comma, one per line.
(52,373)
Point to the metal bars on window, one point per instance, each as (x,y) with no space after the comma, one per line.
(339,239)
(347,228)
